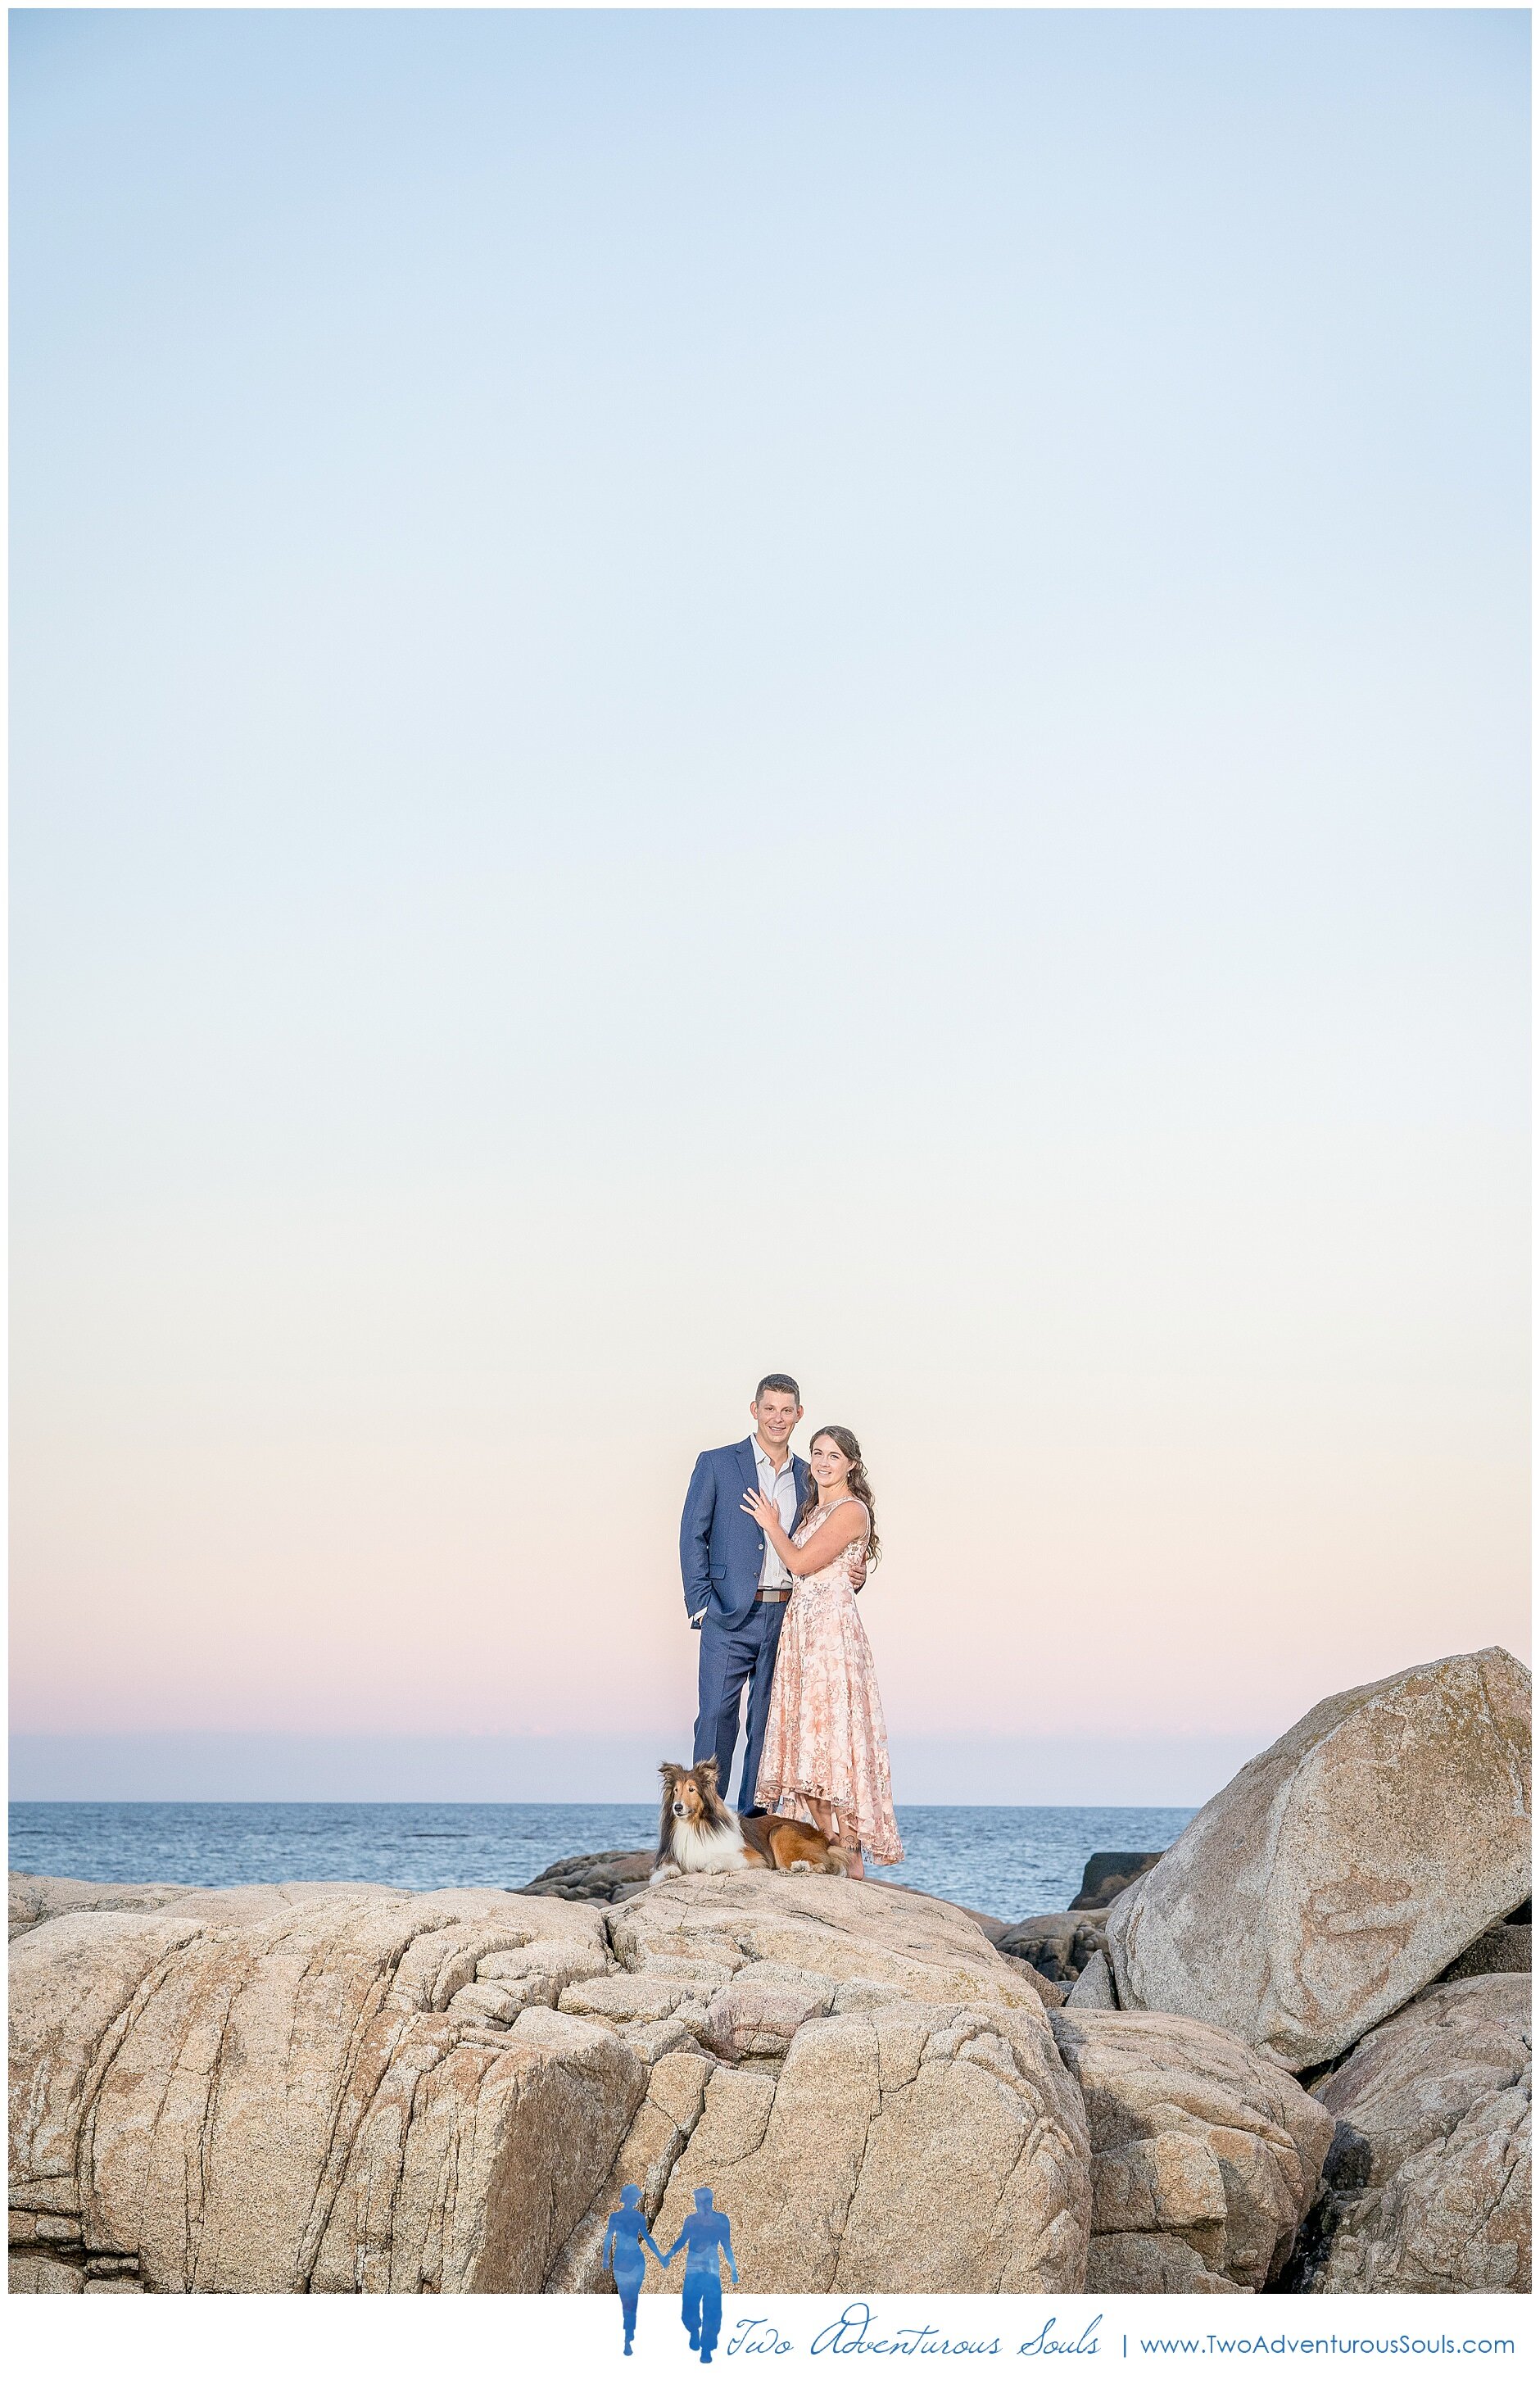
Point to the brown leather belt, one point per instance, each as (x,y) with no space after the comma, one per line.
(771,1597)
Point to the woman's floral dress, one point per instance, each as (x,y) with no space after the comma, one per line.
(826,1736)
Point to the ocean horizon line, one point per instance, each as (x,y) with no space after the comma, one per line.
(542,1805)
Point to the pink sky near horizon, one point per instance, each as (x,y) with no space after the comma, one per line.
(337,1510)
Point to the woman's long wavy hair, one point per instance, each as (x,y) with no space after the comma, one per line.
(856,1482)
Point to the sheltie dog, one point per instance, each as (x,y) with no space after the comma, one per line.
(699,1832)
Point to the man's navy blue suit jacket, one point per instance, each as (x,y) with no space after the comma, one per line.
(721,1548)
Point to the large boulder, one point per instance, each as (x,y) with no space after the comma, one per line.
(287,2090)
(1342,1870)
(1428,2181)
(860,2044)
(218,2102)
(1205,2156)
(910,2147)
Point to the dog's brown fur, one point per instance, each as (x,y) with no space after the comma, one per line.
(696,1825)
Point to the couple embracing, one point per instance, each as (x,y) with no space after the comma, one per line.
(773,1552)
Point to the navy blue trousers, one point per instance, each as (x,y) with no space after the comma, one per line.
(732,1654)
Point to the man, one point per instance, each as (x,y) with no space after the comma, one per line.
(708,2241)
(736,1586)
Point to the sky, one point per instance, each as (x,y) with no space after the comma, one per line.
(702,693)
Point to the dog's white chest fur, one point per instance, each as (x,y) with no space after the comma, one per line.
(714,1847)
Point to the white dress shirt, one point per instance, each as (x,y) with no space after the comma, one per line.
(780,1488)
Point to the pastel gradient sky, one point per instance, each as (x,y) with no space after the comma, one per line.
(705,692)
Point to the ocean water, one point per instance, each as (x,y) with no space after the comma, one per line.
(1005,1859)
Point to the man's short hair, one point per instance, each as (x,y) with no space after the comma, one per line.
(777,1382)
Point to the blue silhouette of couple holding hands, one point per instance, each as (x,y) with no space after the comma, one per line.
(705,2239)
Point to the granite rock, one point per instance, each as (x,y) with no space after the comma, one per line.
(34,1897)
(1055,1944)
(595,1879)
(36,2272)
(1106,1876)
(1504,1948)
(284,2090)
(1341,1870)
(1093,1989)
(287,2102)
(835,1928)
(1205,2156)
(913,2147)
(757,2014)
(1428,2181)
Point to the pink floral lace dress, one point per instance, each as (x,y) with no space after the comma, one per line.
(826,1736)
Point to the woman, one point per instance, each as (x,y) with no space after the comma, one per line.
(825,1744)
(624,2237)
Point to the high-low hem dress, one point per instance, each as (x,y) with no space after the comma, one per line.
(826,1736)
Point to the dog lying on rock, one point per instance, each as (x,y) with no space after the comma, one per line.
(699,1832)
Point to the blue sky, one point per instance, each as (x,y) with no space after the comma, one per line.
(705,691)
